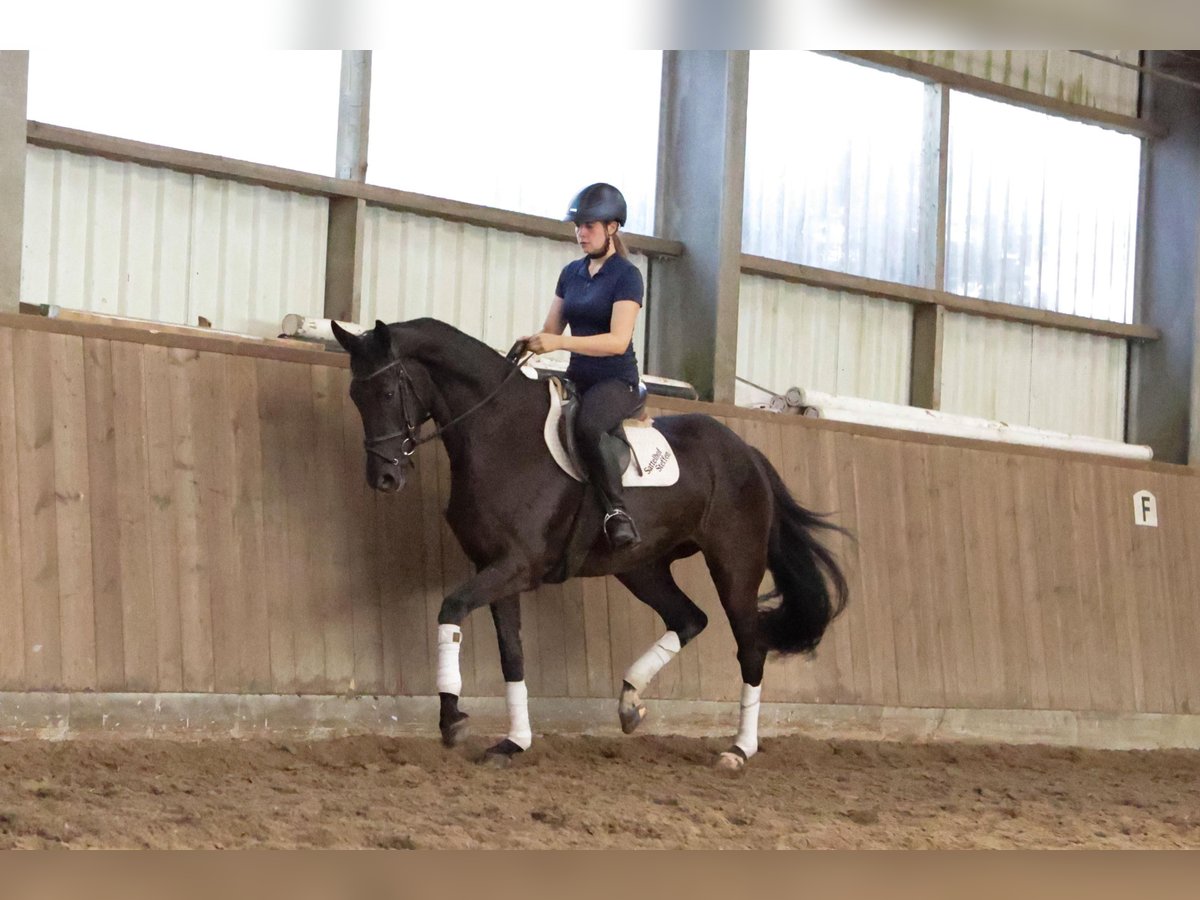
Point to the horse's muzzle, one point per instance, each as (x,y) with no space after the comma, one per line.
(386,479)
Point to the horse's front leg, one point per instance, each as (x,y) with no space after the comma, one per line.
(506,613)
(502,581)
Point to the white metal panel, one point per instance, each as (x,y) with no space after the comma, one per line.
(848,344)
(1053,73)
(495,285)
(130,240)
(1031,375)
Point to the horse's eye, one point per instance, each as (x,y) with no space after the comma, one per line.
(388,395)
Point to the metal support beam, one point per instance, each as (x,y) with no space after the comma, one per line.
(14,90)
(344,245)
(702,157)
(1164,395)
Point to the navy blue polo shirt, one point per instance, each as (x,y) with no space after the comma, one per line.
(587,308)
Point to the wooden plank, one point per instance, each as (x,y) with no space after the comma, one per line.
(920,296)
(884,473)
(274,402)
(1014,648)
(1149,595)
(163,519)
(1119,572)
(215,475)
(596,630)
(1099,619)
(12,598)
(1043,633)
(331,569)
(985,87)
(873,497)
(357,516)
(1061,590)
(917,577)
(1183,560)
(106,553)
(74,515)
(195,561)
(248,525)
(296,459)
(137,578)
(125,150)
(854,682)
(574,639)
(39,530)
(980,544)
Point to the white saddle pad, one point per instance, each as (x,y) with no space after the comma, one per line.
(652,464)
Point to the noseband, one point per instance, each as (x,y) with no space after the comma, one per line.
(412,440)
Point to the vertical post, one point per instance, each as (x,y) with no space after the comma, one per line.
(344,245)
(925,383)
(1164,394)
(702,160)
(14,90)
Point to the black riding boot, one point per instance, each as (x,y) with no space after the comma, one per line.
(618,524)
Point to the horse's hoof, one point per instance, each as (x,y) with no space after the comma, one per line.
(456,732)
(500,756)
(631,717)
(731,761)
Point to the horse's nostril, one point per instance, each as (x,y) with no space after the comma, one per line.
(387,482)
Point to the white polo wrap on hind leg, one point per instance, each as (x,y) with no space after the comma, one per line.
(517,698)
(642,672)
(449,642)
(747,736)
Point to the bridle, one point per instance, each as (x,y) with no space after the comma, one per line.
(408,389)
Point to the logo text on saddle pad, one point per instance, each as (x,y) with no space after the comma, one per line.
(652,462)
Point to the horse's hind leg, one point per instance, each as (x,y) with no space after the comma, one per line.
(737,577)
(654,586)
(506,614)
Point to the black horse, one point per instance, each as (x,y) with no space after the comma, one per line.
(512,509)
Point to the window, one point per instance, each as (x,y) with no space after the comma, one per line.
(833,165)
(278,108)
(1042,211)
(515,129)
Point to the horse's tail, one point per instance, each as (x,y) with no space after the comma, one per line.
(809,584)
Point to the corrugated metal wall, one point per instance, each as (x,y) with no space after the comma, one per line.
(1054,73)
(793,334)
(130,240)
(496,285)
(1026,375)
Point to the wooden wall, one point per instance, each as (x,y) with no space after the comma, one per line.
(189,514)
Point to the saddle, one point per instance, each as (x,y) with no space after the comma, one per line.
(614,446)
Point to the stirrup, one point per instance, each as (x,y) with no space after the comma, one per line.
(630,538)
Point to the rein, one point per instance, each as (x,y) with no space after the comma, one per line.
(412,440)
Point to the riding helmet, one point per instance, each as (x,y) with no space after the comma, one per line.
(597,203)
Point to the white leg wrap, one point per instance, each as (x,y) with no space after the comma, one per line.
(642,672)
(517,698)
(747,736)
(449,677)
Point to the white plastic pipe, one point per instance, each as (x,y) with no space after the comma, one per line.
(982,429)
(309,329)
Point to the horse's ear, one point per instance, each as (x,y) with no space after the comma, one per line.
(348,340)
(383,334)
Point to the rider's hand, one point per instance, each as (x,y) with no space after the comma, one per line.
(545,342)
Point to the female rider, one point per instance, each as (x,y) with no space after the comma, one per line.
(599,297)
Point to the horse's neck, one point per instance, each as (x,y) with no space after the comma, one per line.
(463,380)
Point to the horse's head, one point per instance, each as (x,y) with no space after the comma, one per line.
(388,401)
